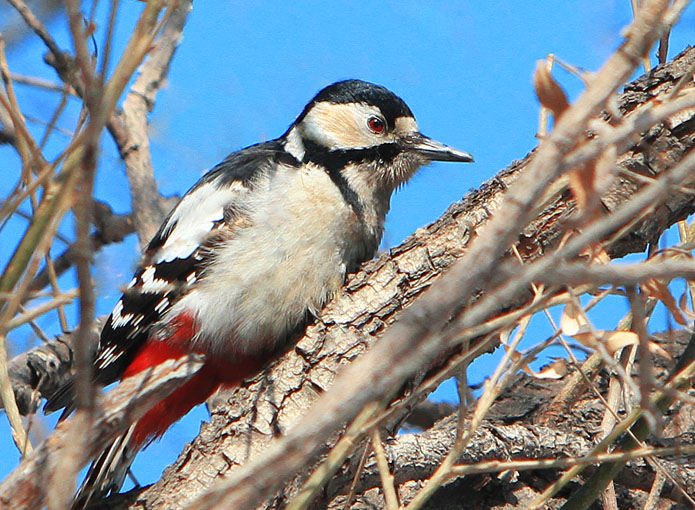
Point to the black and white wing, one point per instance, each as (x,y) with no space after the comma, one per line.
(175,258)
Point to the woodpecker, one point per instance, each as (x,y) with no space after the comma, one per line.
(254,249)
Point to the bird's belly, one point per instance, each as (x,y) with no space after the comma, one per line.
(288,262)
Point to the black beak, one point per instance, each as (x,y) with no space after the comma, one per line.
(433,150)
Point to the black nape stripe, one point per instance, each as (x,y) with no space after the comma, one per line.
(348,193)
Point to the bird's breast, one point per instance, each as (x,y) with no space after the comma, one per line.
(301,237)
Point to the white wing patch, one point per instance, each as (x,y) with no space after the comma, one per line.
(194,217)
(294,144)
(162,305)
(108,355)
(118,320)
(152,285)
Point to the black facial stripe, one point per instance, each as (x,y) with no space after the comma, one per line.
(334,161)
(348,193)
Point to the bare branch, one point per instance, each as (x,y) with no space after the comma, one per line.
(415,339)
(148,209)
(109,228)
(40,30)
(26,486)
(577,273)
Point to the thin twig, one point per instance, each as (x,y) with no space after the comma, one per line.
(390,495)
(59,301)
(39,29)
(33,81)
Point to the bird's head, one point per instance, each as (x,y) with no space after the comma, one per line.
(367,134)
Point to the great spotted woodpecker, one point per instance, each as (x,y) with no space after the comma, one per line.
(259,243)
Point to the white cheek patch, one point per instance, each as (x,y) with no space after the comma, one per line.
(194,218)
(340,126)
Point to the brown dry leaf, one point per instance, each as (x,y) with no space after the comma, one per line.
(515,356)
(549,93)
(586,339)
(657,350)
(547,373)
(573,321)
(659,290)
(504,336)
(581,184)
(596,254)
(616,340)
(555,370)
(601,256)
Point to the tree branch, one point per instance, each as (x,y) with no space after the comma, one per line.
(373,297)
(148,211)
(26,486)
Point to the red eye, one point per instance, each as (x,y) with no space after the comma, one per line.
(376,124)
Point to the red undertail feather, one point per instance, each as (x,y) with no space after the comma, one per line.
(215,373)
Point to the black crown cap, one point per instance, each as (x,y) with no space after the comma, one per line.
(358,91)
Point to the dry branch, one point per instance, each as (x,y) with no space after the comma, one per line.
(246,421)
(26,487)
(149,208)
(373,297)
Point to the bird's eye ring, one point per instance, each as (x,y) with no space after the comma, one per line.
(376,125)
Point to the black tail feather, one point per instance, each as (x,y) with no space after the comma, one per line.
(107,473)
(63,397)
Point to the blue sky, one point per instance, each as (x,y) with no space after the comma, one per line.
(245,70)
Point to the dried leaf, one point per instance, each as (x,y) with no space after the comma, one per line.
(616,340)
(549,93)
(596,255)
(504,336)
(659,290)
(586,339)
(516,357)
(581,184)
(613,341)
(657,350)
(601,256)
(573,321)
(555,370)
